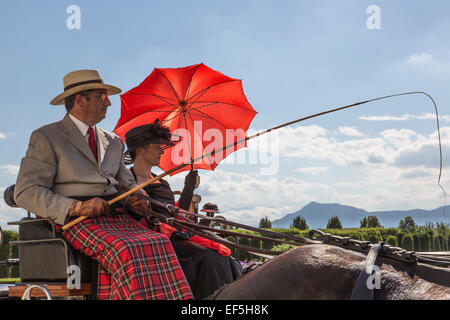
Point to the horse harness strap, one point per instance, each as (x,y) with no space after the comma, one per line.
(386,250)
(191,227)
(364,287)
(178,212)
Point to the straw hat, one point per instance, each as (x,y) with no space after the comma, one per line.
(81,80)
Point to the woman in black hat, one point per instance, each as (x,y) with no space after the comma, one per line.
(206,270)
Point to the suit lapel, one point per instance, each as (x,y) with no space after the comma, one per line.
(73,135)
(102,143)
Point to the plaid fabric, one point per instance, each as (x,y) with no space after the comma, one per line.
(134,262)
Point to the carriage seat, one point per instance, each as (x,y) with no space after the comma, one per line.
(44,255)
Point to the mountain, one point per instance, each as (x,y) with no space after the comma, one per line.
(318,214)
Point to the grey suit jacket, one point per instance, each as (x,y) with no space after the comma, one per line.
(59,165)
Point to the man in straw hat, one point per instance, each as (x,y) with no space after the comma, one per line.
(71,168)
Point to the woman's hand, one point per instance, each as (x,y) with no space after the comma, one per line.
(136,202)
(192,180)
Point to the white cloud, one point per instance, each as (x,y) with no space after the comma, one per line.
(424,65)
(398,170)
(405,117)
(10,169)
(2,136)
(321,145)
(420,58)
(385,118)
(8,214)
(401,138)
(249,197)
(313,170)
(417,173)
(345,184)
(387,147)
(350,131)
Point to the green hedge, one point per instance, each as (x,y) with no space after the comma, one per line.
(424,241)
(392,240)
(8,252)
(408,242)
(420,240)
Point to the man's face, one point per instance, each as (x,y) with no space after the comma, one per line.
(95,104)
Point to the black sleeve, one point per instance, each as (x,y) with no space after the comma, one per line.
(186,197)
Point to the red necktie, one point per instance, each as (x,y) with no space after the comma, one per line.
(92,142)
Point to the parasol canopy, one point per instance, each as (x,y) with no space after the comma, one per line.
(205,109)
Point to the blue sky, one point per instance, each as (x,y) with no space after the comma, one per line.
(295,58)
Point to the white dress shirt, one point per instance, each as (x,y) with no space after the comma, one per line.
(83,127)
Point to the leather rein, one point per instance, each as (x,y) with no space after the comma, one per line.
(441,259)
(178,220)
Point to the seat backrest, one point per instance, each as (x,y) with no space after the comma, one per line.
(42,255)
(45,256)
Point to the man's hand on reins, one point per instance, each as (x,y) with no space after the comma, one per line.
(92,208)
(136,202)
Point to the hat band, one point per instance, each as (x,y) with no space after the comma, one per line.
(76,84)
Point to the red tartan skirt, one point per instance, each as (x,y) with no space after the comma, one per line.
(134,262)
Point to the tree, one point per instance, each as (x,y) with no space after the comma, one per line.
(408,242)
(265,223)
(370,222)
(424,241)
(334,223)
(392,240)
(438,241)
(407,225)
(299,223)
(429,226)
(443,228)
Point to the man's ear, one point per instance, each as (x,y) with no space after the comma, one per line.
(79,100)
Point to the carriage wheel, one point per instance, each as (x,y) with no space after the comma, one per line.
(218,225)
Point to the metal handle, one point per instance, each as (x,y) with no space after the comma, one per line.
(27,294)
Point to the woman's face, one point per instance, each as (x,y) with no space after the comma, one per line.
(151,153)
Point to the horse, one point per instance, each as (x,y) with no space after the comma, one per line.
(326,272)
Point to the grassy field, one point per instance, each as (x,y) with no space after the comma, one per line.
(9,280)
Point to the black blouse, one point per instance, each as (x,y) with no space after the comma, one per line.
(163,193)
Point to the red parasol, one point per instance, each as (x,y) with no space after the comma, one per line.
(207,109)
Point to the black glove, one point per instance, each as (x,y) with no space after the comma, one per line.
(183,235)
(190,182)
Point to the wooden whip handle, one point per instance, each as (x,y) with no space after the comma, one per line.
(126,194)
